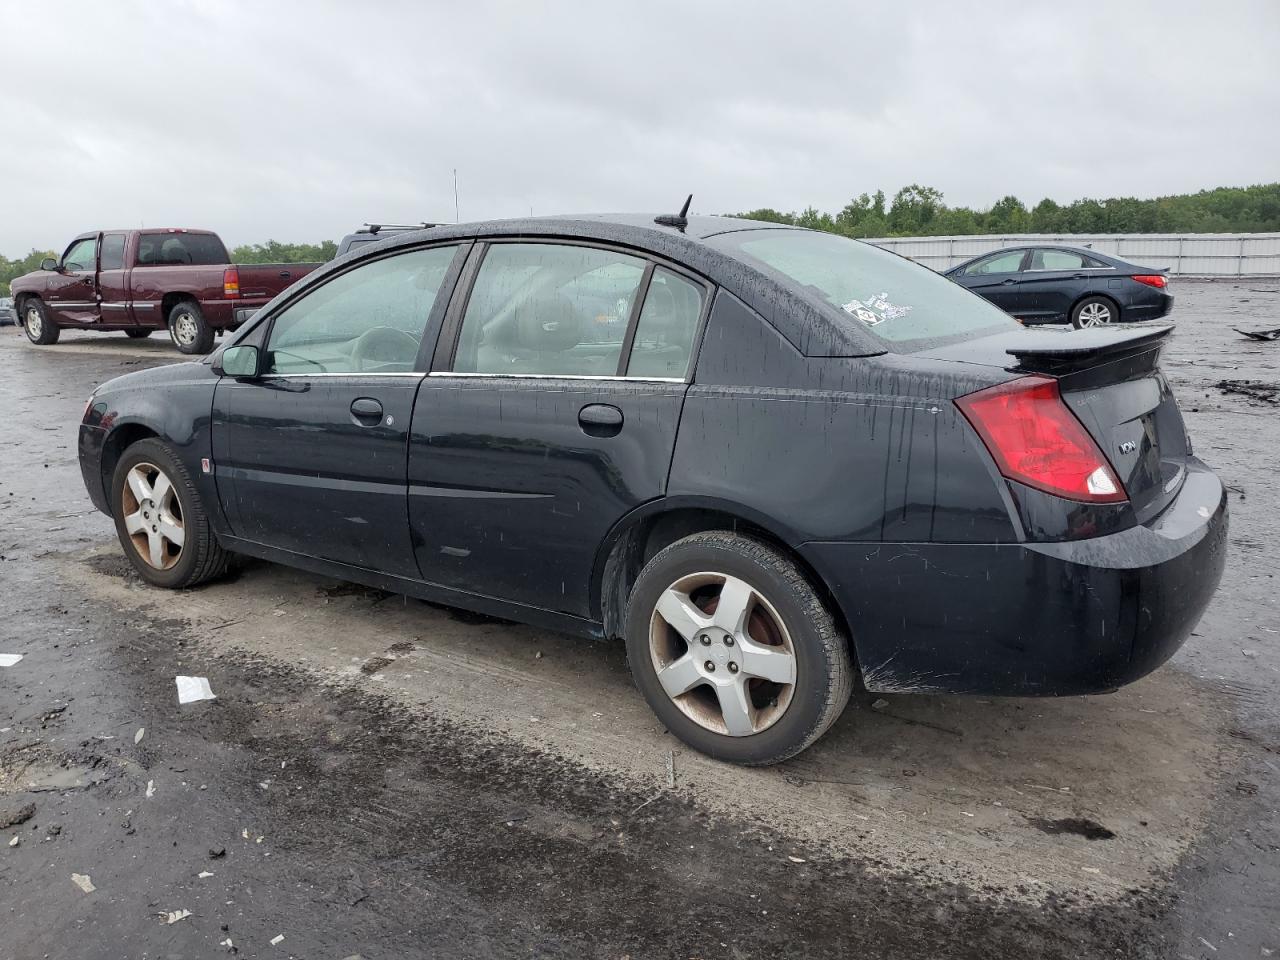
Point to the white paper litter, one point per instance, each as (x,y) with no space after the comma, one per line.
(9,659)
(82,881)
(191,689)
(137,737)
(277,939)
(13,842)
(151,789)
(204,874)
(175,915)
(226,943)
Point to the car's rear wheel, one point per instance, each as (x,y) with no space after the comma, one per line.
(138,334)
(161,520)
(188,328)
(1094,312)
(35,321)
(734,650)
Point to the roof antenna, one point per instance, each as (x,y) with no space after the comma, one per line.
(677,220)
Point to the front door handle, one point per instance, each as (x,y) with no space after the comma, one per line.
(366,411)
(600,420)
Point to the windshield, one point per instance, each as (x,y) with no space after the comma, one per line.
(886,295)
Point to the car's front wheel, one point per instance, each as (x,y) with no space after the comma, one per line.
(35,321)
(1094,312)
(161,520)
(734,650)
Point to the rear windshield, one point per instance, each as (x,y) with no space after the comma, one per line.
(179,249)
(886,295)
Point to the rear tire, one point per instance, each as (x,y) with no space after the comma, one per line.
(161,520)
(189,330)
(138,334)
(720,683)
(1095,312)
(39,328)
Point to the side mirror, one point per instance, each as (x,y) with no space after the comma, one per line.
(48,263)
(239,361)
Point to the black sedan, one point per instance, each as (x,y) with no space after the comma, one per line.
(1053,284)
(769,460)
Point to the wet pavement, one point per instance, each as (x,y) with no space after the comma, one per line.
(384,778)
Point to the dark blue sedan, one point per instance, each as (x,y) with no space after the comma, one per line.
(1043,284)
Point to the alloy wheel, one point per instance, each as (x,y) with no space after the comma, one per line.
(1094,314)
(722,654)
(185,330)
(153,516)
(35,323)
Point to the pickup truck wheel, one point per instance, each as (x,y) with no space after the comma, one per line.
(734,650)
(35,320)
(161,520)
(137,334)
(188,329)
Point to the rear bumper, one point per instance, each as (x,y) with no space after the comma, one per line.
(1149,307)
(1076,617)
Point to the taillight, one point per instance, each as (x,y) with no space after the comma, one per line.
(1036,439)
(1152,279)
(231,284)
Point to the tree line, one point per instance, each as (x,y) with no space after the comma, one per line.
(917,211)
(273,251)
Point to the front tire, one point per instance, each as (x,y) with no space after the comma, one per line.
(39,328)
(734,650)
(189,330)
(1094,312)
(161,520)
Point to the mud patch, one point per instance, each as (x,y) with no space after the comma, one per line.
(1076,826)
(1253,390)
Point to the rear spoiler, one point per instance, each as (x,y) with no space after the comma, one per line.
(1062,351)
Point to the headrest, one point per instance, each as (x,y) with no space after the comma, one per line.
(548,323)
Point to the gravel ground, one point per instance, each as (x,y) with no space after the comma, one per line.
(382,777)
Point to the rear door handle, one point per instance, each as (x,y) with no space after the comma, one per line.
(285,274)
(600,420)
(366,411)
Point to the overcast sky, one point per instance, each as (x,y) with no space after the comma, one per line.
(299,122)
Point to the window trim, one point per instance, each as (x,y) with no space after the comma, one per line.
(267,324)
(450,333)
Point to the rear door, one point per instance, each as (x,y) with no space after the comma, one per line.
(71,294)
(550,412)
(996,277)
(1053,280)
(310,456)
(113,284)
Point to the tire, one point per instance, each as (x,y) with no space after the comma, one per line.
(189,330)
(140,334)
(199,557)
(783,614)
(36,316)
(1095,312)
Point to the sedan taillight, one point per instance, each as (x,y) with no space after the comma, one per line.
(1035,439)
(1152,279)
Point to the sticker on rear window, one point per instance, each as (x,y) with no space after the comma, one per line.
(875,309)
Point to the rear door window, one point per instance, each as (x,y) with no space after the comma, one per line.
(1056,260)
(112,251)
(886,295)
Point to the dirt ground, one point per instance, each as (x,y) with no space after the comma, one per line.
(384,778)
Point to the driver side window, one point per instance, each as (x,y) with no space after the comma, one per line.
(81,255)
(367,320)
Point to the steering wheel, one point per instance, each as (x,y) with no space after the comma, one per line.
(383,345)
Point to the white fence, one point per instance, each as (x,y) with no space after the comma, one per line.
(1189,254)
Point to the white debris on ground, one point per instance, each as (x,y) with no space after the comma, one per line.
(82,881)
(137,737)
(277,939)
(13,842)
(203,875)
(151,789)
(9,659)
(192,689)
(174,916)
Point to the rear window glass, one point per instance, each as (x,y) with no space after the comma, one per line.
(179,249)
(884,294)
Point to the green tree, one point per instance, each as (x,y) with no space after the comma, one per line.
(273,251)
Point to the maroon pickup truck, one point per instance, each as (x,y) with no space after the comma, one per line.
(144,280)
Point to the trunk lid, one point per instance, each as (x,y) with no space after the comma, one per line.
(1110,379)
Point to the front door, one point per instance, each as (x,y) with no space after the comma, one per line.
(996,278)
(71,294)
(310,455)
(555,415)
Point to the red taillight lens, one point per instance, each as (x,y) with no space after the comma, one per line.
(1036,439)
(1152,279)
(231,283)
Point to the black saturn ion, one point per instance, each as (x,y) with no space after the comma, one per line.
(769,460)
